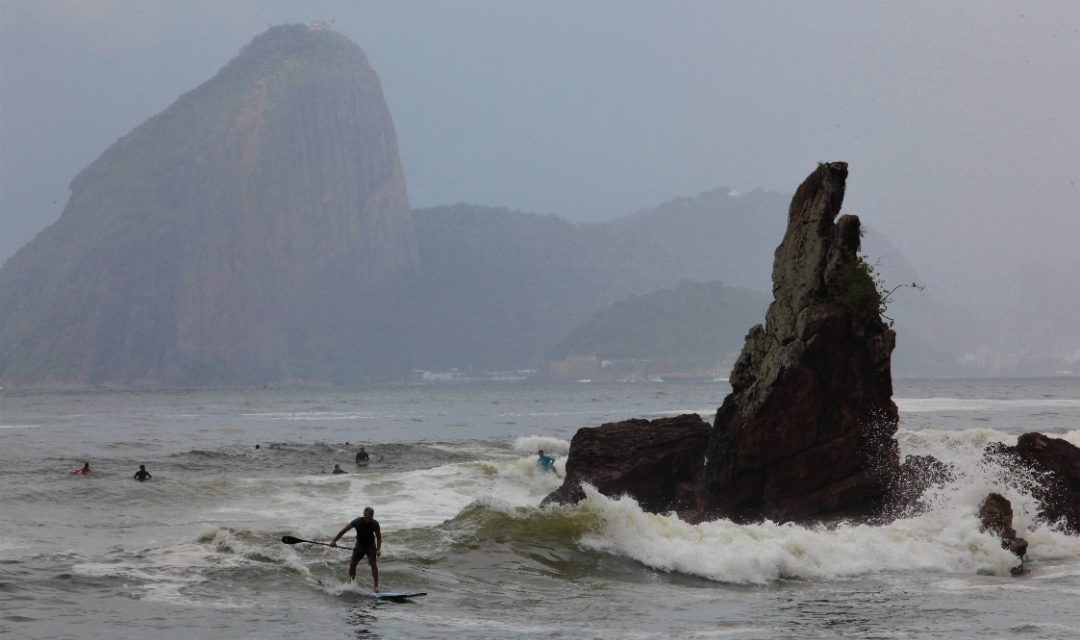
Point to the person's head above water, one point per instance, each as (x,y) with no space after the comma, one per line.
(540,452)
(142,467)
(369,514)
(86,466)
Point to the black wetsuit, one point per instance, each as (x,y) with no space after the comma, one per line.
(365,538)
(142,474)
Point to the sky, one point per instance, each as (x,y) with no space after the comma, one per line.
(960,120)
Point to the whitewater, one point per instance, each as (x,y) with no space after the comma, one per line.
(196,552)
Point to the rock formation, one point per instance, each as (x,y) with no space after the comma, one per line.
(807,431)
(655,461)
(1055,464)
(996,516)
(241,236)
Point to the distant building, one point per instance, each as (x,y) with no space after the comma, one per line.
(575,366)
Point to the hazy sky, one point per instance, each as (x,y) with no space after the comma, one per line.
(961,120)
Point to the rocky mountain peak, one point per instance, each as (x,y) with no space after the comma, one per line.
(237,237)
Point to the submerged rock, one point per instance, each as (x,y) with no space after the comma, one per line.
(655,461)
(996,516)
(807,431)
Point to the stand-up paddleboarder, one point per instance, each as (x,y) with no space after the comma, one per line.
(368,543)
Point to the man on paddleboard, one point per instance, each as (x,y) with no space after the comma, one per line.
(368,543)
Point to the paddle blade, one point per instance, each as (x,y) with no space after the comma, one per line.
(291,540)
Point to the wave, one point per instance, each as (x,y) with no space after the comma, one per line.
(962,443)
(929,405)
(482,499)
(946,538)
(532,444)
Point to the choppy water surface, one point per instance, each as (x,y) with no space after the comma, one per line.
(196,552)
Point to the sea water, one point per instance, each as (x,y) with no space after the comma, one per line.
(196,552)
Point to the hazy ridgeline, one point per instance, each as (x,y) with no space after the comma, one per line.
(258,231)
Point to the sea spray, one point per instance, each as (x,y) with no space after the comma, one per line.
(532,444)
(757,554)
(937,405)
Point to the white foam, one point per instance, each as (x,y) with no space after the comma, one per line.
(956,444)
(20,426)
(531,444)
(1072,437)
(761,553)
(922,405)
(163,574)
(317,506)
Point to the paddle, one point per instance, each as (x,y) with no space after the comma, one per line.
(292,540)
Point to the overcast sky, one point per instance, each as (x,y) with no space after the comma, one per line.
(961,120)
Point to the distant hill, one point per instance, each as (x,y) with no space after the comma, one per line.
(258,231)
(243,235)
(502,289)
(693,327)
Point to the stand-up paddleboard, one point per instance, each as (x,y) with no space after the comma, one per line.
(397,596)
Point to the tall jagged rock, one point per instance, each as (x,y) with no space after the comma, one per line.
(807,430)
(245,234)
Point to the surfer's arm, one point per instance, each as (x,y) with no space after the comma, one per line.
(378,541)
(333,543)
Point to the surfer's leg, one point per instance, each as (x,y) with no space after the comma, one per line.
(374,572)
(352,564)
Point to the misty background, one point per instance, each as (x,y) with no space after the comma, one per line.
(961,122)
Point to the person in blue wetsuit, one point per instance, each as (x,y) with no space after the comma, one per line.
(368,543)
(547,463)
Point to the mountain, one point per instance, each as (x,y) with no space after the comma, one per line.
(258,231)
(245,234)
(504,289)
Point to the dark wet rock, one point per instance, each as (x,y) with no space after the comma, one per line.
(1056,467)
(996,516)
(657,462)
(807,431)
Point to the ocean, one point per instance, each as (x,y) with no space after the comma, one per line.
(196,552)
